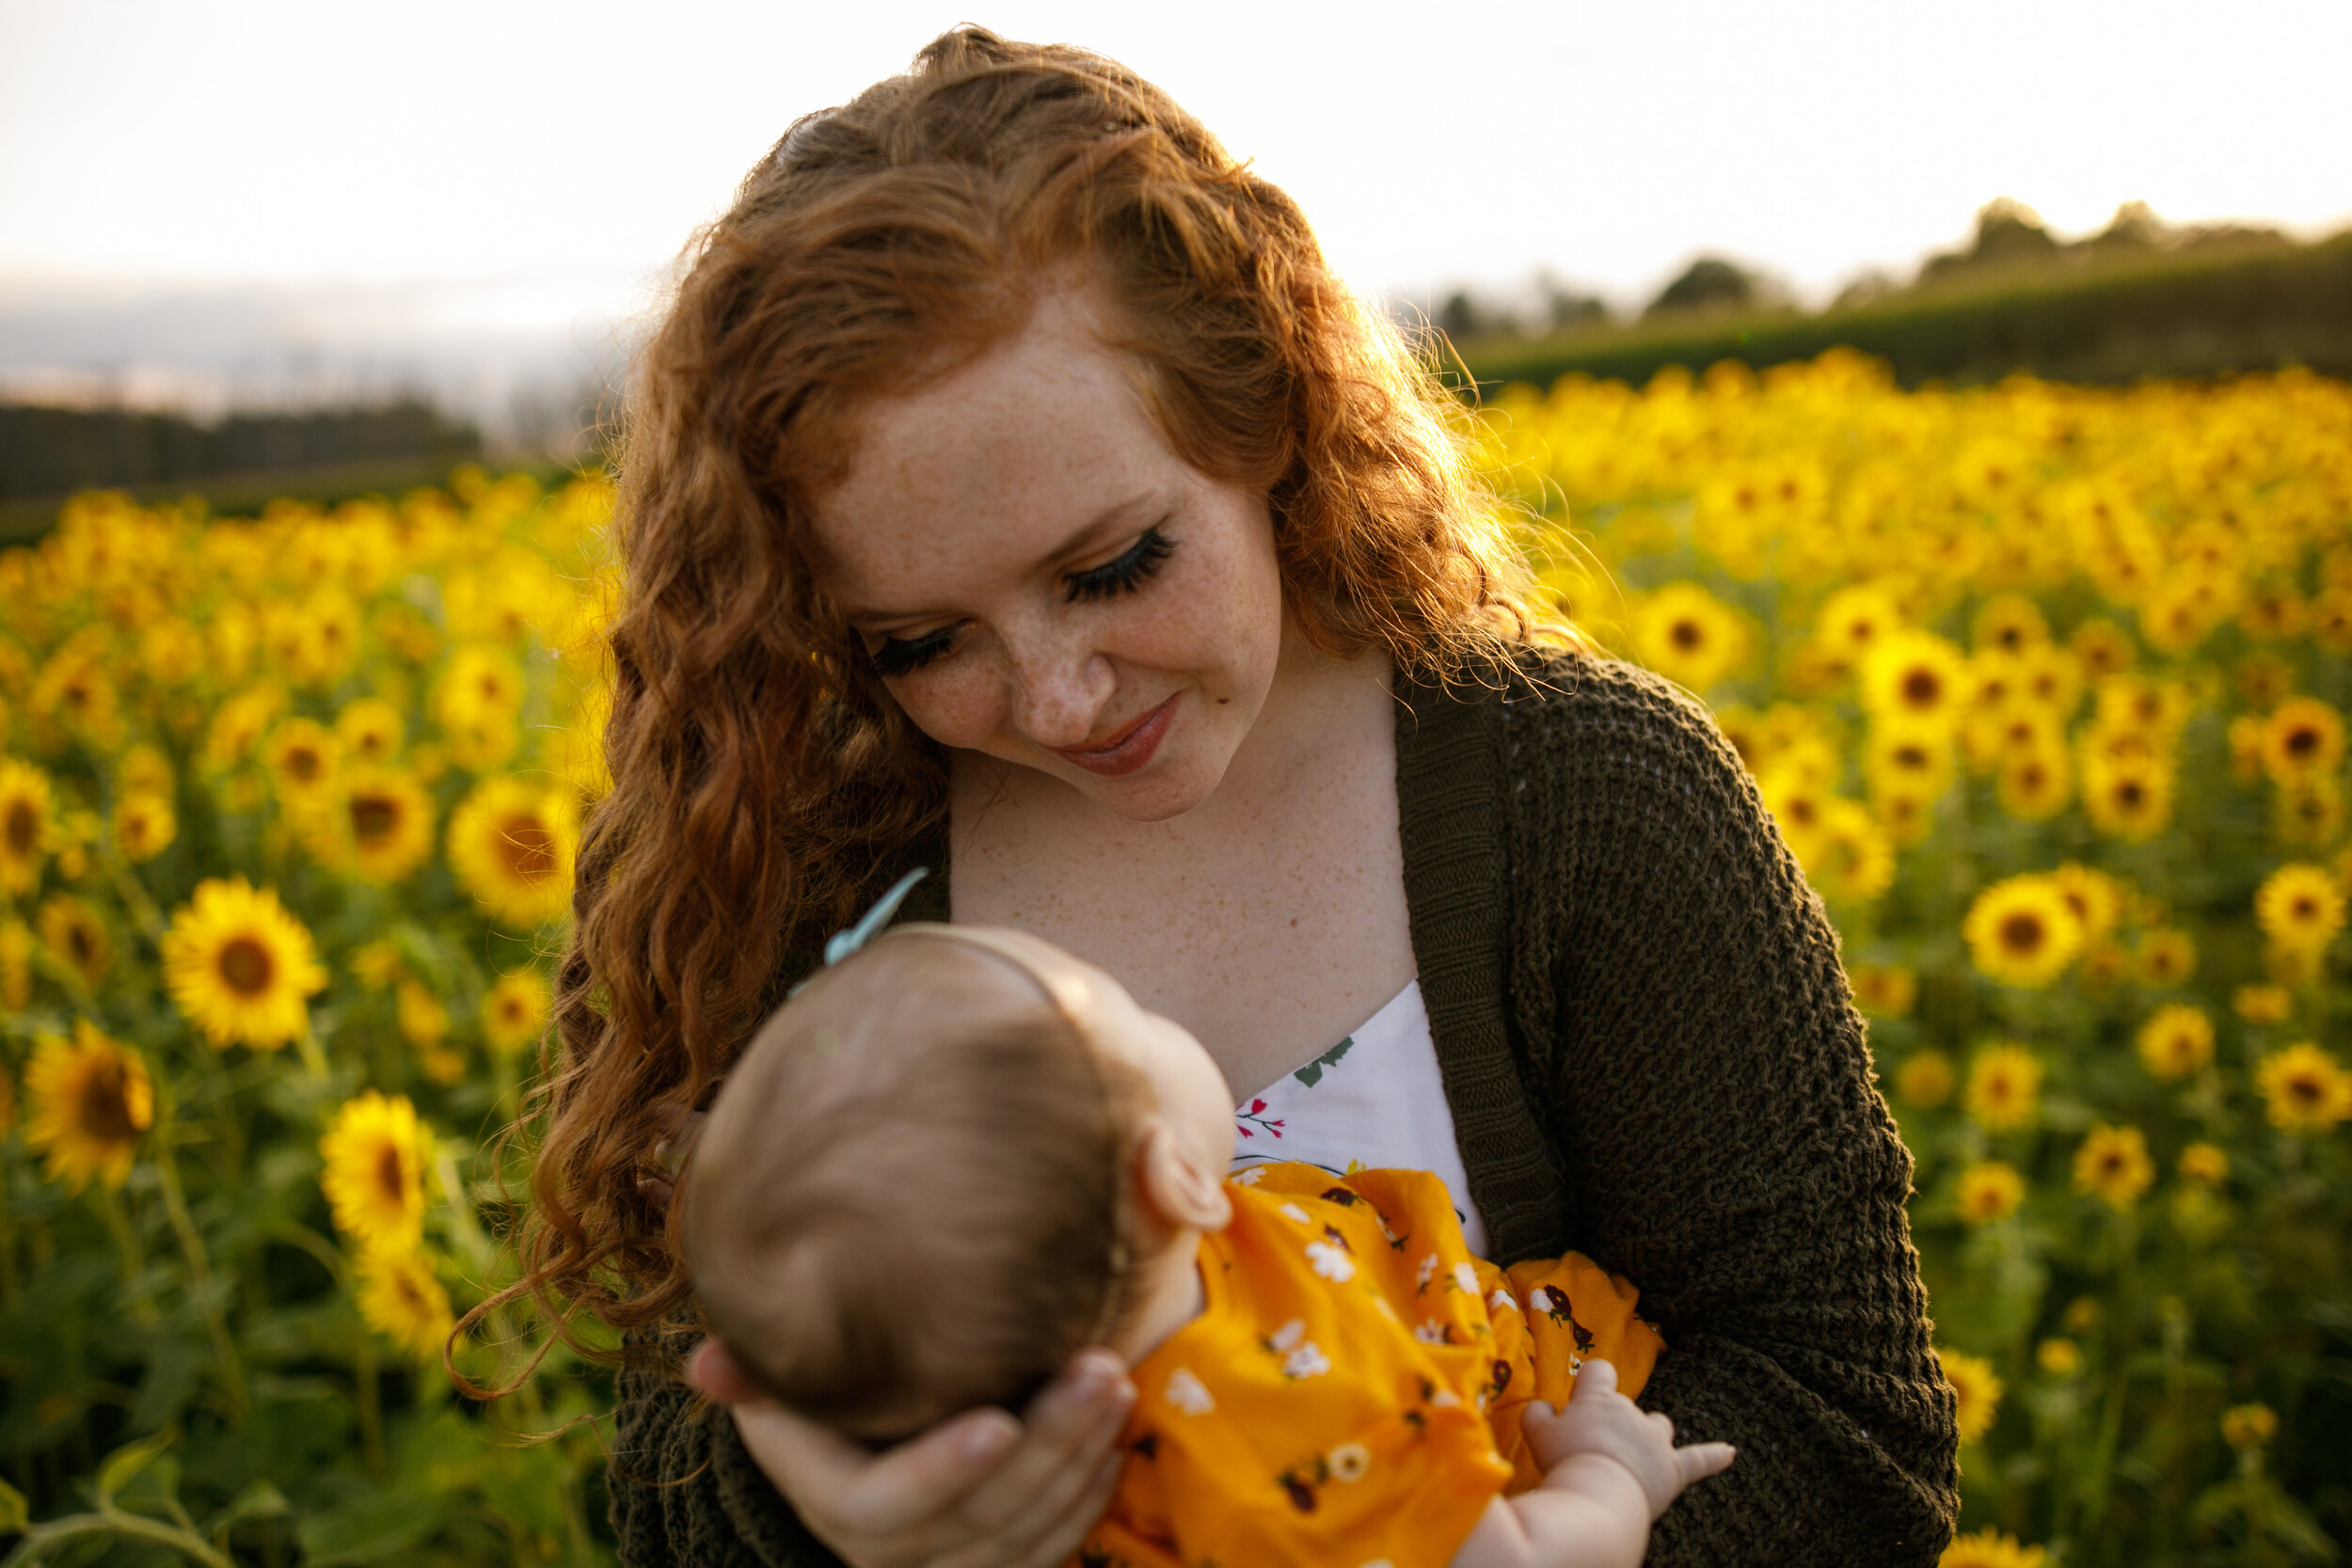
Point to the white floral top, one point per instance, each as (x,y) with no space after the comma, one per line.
(1374,1101)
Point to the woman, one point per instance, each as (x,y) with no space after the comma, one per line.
(1012,491)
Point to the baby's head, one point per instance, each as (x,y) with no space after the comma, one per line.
(943,1168)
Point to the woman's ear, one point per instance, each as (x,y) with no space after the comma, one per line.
(1175,1186)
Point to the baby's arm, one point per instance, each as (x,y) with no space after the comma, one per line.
(1609,1470)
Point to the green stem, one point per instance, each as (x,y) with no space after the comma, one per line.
(135,895)
(371,1404)
(119,1225)
(115,1522)
(200,1276)
(306,1046)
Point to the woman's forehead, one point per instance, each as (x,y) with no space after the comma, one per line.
(1008,459)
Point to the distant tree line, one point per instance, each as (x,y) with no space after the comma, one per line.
(52,451)
(2010,244)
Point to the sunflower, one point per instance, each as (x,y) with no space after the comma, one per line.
(2096,898)
(1906,816)
(2103,647)
(86,1103)
(1916,676)
(2205,1164)
(514,1011)
(143,770)
(370,731)
(2009,622)
(238,725)
(1990,1548)
(2307,816)
(2021,931)
(403,1299)
(2127,797)
(1990,1190)
(2058,1357)
(2263,1004)
(1855,620)
(1689,636)
(70,929)
(1925,1079)
(1857,860)
(423,1021)
(2050,677)
(2303,740)
(1976,1391)
(376,1155)
(2176,1040)
(2245,1427)
(1885,991)
(27,825)
(2300,906)
(145,825)
(16,964)
(2035,785)
(1743,727)
(512,846)
(2306,1088)
(2113,1164)
(2166,957)
(239,965)
(2004,1086)
(382,828)
(2244,736)
(479,682)
(2263,680)
(1909,758)
(301,755)
(2273,613)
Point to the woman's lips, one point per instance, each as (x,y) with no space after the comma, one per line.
(1130,750)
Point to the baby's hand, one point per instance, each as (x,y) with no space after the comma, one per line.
(1600,1420)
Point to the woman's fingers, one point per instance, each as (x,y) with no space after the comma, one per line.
(1054,1539)
(921,1478)
(1067,1432)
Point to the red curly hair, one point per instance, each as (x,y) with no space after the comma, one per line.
(759,770)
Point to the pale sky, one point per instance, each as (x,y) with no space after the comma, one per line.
(545,160)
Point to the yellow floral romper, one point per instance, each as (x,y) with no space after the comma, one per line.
(1350,1395)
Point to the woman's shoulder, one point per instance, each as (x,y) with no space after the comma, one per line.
(1564,711)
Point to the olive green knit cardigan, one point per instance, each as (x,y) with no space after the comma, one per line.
(1651,1056)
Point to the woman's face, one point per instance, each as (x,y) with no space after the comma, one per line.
(1041,579)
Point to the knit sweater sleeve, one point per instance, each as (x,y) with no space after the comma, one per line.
(1690,1035)
(685,1494)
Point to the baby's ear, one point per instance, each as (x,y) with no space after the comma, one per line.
(1174,1183)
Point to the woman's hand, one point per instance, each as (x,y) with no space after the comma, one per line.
(980,1491)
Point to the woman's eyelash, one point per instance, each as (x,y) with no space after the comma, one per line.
(1122,574)
(904,656)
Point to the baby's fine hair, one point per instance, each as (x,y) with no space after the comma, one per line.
(909,1198)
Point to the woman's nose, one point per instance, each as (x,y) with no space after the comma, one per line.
(1060,687)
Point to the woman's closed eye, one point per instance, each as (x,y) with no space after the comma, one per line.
(1123,572)
(904,656)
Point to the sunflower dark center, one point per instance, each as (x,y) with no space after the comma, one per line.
(1922,688)
(105,1104)
(388,1175)
(2302,743)
(23,827)
(2024,932)
(303,764)
(2130,793)
(1687,635)
(246,966)
(526,849)
(373,817)
(2307,1090)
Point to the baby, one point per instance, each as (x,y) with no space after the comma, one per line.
(960,1155)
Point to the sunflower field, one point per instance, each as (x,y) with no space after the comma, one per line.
(2044,685)
(285,807)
